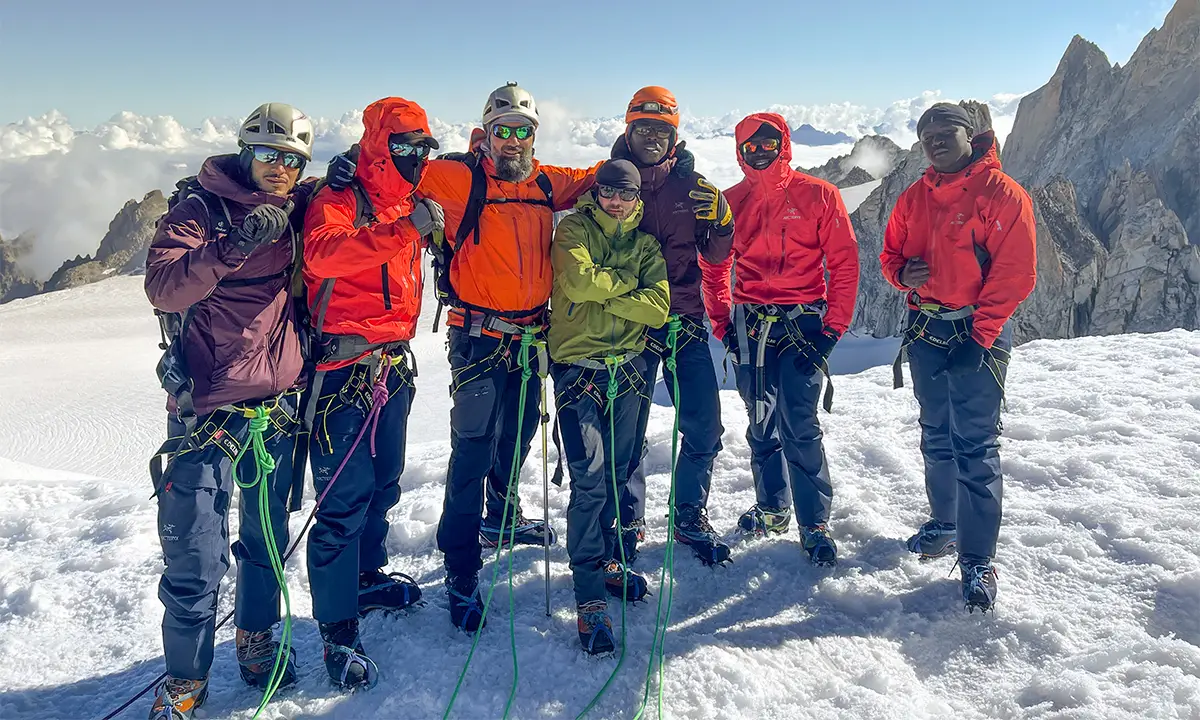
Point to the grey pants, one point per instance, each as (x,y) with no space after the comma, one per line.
(587,422)
(193,527)
(960,439)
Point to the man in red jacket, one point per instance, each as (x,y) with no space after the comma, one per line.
(362,267)
(781,322)
(218,270)
(961,242)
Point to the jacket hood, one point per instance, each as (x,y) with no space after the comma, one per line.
(777,171)
(219,175)
(609,225)
(376,171)
(984,157)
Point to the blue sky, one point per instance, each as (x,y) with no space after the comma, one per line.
(192,60)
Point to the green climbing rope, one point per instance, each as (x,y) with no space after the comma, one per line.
(661,621)
(264,467)
(611,362)
(528,340)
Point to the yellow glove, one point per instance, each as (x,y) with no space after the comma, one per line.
(711,205)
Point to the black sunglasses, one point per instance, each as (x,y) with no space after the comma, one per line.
(607,192)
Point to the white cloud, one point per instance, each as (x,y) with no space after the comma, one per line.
(64,184)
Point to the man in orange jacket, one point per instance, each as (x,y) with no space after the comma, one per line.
(495,274)
(362,268)
(961,242)
(780,322)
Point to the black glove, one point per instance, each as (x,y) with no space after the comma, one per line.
(710,205)
(685,161)
(965,357)
(819,349)
(427,217)
(340,174)
(264,224)
(730,340)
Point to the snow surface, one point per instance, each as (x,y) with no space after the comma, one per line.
(1099,556)
(64,184)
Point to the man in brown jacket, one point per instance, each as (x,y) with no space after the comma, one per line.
(219,275)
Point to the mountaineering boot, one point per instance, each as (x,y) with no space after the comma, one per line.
(466,607)
(821,548)
(693,529)
(390,592)
(934,540)
(624,583)
(256,656)
(595,628)
(178,699)
(345,660)
(528,532)
(631,535)
(978,583)
(761,521)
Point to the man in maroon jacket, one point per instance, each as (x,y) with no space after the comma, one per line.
(690,219)
(219,273)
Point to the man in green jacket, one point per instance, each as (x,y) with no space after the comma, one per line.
(610,284)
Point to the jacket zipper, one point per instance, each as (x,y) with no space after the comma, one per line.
(387,288)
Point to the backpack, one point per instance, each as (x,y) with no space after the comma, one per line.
(477,199)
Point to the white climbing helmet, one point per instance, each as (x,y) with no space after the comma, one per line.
(278,125)
(510,102)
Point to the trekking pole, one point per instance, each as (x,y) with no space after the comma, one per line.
(375,409)
(546,495)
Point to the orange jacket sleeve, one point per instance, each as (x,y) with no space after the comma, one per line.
(840,247)
(569,183)
(892,260)
(1011,241)
(718,296)
(333,247)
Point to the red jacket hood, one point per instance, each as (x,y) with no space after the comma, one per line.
(985,157)
(777,171)
(378,175)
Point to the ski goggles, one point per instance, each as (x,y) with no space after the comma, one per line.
(656,129)
(762,146)
(403,149)
(273,156)
(654,108)
(504,132)
(608,192)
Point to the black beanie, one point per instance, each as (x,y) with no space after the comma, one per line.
(947,113)
(619,174)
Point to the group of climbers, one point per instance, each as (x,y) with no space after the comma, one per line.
(288,307)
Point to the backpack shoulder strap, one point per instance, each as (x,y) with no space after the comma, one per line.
(543,182)
(476,199)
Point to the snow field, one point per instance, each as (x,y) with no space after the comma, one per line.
(1099,554)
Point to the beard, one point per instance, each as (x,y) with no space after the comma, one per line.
(515,169)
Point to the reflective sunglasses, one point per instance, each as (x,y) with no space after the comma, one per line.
(655,108)
(662,132)
(763,146)
(607,192)
(403,149)
(271,156)
(504,132)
